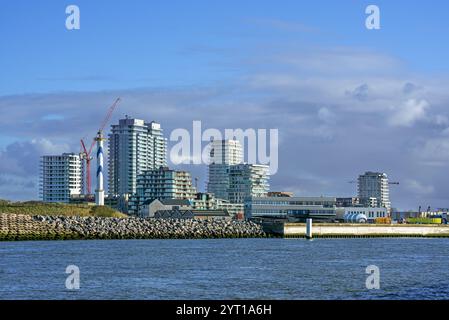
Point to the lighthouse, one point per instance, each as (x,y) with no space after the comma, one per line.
(99,192)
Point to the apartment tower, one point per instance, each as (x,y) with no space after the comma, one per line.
(135,146)
(61,176)
(373,189)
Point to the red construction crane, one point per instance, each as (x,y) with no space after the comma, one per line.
(85,154)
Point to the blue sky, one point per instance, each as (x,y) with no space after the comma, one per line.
(345,99)
(124,44)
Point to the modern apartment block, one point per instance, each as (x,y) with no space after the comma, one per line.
(292,208)
(373,189)
(135,146)
(223,155)
(61,176)
(162,183)
(230,178)
(246,181)
(226,152)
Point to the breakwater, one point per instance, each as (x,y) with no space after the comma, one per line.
(25,227)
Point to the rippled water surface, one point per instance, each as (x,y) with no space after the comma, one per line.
(226,269)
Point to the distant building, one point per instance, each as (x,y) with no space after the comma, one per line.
(348,202)
(371,213)
(223,154)
(405,215)
(279,194)
(193,214)
(110,201)
(374,185)
(207,201)
(162,183)
(291,208)
(165,183)
(61,176)
(246,181)
(371,202)
(218,180)
(134,147)
(150,207)
(230,178)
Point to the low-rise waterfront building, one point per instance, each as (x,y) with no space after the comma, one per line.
(150,207)
(348,202)
(193,214)
(291,208)
(207,201)
(402,216)
(371,213)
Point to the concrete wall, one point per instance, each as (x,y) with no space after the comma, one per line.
(366,230)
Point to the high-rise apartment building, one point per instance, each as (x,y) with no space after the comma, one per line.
(135,146)
(373,189)
(246,181)
(223,154)
(228,152)
(230,178)
(162,183)
(61,176)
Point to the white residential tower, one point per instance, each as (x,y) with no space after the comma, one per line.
(61,176)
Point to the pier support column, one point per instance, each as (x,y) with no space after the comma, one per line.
(309,229)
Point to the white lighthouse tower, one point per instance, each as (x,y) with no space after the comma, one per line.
(99,192)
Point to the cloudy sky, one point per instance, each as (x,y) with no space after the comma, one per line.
(345,99)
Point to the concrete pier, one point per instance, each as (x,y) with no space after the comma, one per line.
(347,230)
(337,230)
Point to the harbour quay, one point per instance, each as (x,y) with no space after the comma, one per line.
(346,230)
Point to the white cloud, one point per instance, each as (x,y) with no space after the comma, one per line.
(344,61)
(418,188)
(407,113)
(433,152)
(327,116)
(19,167)
(440,120)
(22,158)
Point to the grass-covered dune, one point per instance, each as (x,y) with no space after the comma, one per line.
(58,209)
